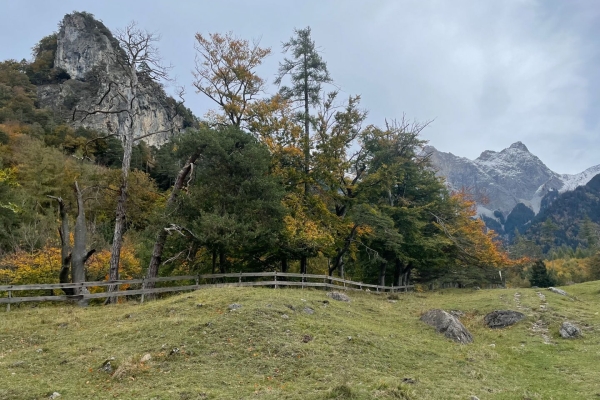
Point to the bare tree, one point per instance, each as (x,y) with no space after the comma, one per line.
(137,60)
(73,260)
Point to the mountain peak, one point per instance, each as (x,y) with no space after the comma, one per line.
(519,146)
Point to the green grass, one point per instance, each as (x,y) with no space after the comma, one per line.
(369,348)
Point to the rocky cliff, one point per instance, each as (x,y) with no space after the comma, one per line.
(89,54)
(506,178)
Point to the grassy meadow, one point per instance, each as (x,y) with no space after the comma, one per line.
(191,346)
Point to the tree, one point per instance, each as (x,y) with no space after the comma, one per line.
(307,72)
(539,275)
(139,61)
(225,73)
(73,259)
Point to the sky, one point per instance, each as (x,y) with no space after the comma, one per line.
(485,73)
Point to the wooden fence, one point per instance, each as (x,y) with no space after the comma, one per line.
(278,279)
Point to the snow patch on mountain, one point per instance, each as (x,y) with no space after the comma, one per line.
(505,178)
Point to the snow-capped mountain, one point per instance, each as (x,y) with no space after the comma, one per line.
(501,180)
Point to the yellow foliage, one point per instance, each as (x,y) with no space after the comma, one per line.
(43,266)
(569,270)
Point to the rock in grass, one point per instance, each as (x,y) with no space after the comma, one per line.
(146,357)
(338,296)
(502,318)
(107,366)
(308,310)
(447,324)
(54,395)
(558,291)
(235,306)
(569,330)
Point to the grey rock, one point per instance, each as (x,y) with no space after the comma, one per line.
(285,316)
(174,351)
(447,324)
(569,331)
(502,318)
(235,306)
(54,395)
(338,296)
(107,366)
(558,291)
(146,357)
(473,398)
(85,50)
(17,364)
(309,310)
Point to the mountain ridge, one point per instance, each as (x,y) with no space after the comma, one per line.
(501,180)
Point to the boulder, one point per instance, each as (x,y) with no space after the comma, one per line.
(558,291)
(447,324)
(569,330)
(502,318)
(338,296)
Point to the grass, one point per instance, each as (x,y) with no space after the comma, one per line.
(270,348)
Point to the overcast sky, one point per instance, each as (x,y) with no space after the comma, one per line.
(489,73)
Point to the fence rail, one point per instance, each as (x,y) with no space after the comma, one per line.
(279,279)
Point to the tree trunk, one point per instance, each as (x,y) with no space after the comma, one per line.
(306,130)
(79,237)
(397,272)
(338,260)
(117,242)
(303,264)
(214,261)
(222,266)
(161,238)
(382,270)
(79,255)
(65,247)
(284,264)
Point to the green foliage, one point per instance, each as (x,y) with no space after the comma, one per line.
(42,71)
(539,275)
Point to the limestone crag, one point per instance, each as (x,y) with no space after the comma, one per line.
(89,53)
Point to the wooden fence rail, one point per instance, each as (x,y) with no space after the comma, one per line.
(279,279)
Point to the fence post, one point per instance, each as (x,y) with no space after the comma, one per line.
(198,280)
(276,286)
(8,304)
(143,288)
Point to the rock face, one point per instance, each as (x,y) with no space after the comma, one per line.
(502,318)
(447,324)
(569,331)
(88,52)
(505,178)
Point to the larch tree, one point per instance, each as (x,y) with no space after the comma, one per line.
(226,73)
(307,73)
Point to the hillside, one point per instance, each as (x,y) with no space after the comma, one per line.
(271,348)
(567,214)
